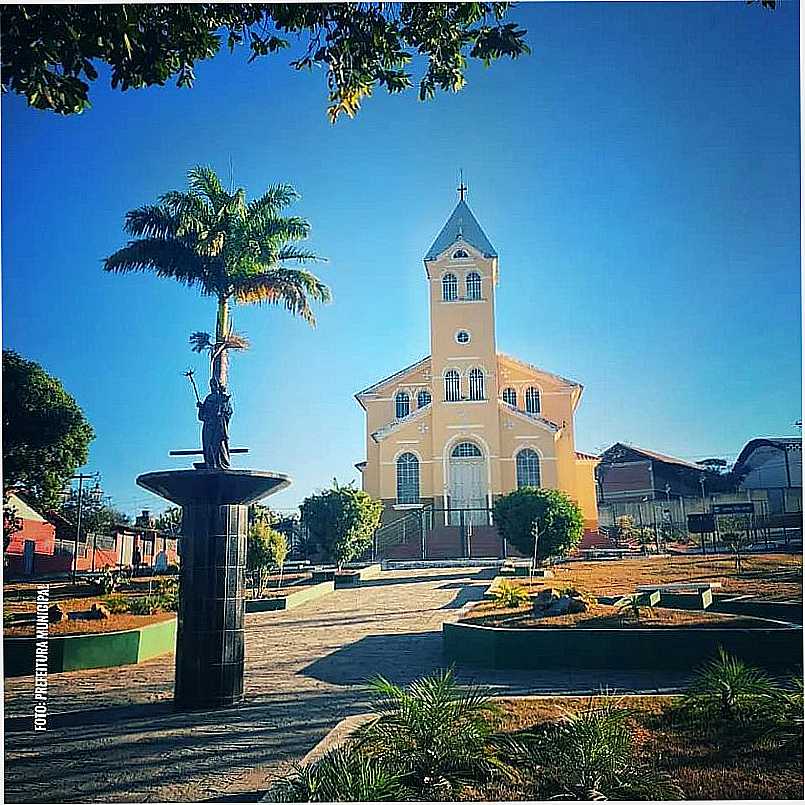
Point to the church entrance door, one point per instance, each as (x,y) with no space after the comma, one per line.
(467,488)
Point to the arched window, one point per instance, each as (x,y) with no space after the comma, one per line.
(459,253)
(532,400)
(449,288)
(407,478)
(476,384)
(452,386)
(466,450)
(527,468)
(510,396)
(473,285)
(403,404)
(423,398)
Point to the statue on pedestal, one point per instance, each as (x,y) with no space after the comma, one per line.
(215,412)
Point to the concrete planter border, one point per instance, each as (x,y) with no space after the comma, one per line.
(292,600)
(770,645)
(82,651)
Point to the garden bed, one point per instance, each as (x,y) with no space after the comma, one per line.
(114,623)
(75,652)
(602,616)
(290,597)
(768,577)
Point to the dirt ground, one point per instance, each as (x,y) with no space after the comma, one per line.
(601,616)
(721,761)
(769,577)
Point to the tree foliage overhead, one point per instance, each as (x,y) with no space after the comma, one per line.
(341,521)
(50,53)
(45,433)
(558,518)
(235,250)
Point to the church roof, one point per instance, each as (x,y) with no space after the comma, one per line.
(461,224)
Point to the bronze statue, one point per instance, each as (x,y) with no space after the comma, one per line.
(215,412)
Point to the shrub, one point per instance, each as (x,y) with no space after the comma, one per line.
(436,736)
(341,522)
(109,580)
(729,686)
(116,604)
(342,775)
(632,607)
(592,755)
(146,605)
(558,519)
(266,548)
(509,594)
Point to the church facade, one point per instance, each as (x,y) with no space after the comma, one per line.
(467,423)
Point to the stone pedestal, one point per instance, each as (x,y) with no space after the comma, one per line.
(209,641)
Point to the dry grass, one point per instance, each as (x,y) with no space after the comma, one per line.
(769,577)
(602,616)
(115,623)
(720,761)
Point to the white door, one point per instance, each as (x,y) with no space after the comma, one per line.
(467,490)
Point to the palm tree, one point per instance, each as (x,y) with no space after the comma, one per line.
(235,250)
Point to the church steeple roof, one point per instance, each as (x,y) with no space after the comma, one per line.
(461,224)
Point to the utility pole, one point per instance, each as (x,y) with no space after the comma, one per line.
(81,477)
(704,510)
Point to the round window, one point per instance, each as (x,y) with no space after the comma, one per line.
(463,337)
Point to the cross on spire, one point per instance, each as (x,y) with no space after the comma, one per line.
(462,188)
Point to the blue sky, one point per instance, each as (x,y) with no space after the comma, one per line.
(638,176)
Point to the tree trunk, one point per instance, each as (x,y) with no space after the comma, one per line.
(223,327)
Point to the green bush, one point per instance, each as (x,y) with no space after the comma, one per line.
(435,735)
(116,604)
(146,605)
(558,519)
(344,774)
(341,522)
(508,595)
(729,688)
(591,755)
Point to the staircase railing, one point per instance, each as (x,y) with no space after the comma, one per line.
(411,527)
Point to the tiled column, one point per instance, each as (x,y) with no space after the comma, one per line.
(209,642)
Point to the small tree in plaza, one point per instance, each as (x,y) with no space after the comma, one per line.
(558,519)
(735,534)
(341,522)
(266,549)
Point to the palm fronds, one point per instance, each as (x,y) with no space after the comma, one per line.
(342,775)
(226,246)
(436,735)
(591,755)
(730,685)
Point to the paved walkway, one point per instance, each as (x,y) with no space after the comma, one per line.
(113,735)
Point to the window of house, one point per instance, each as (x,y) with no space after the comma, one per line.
(449,288)
(458,254)
(527,468)
(532,401)
(403,404)
(463,337)
(452,386)
(510,396)
(466,450)
(473,285)
(407,478)
(476,384)
(423,398)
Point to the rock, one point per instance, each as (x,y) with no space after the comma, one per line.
(56,614)
(98,612)
(561,606)
(545,597)
(576,605)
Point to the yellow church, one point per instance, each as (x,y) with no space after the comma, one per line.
(465,424)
